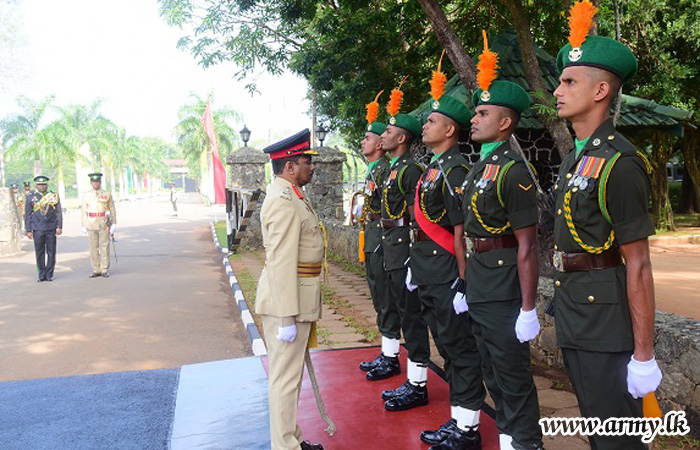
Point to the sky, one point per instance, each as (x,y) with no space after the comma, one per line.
(123,52)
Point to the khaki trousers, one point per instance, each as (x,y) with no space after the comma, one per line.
(286,371)
(99,250)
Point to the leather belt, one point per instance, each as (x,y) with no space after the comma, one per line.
(486,244)
(308,270)
(96,214)
(388,224)
(371,217)
(573,262)
(418,235)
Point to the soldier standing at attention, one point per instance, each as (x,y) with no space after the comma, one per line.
(387,363)
(398,198)
(500,226)
(43,220)
(604,289)
(289,290)
(437,264)
(27,188)
(99,223)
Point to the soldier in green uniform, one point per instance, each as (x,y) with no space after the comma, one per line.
(500,226)
(604,290)
(27,187)
(398,198)
(436,264)
(387,363)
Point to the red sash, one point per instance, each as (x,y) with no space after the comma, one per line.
(441,236)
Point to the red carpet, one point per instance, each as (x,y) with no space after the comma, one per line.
(356,407)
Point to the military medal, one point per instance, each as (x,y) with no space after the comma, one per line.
(488,176)
(588,169)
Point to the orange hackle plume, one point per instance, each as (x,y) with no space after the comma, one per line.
(394,105)
(437,83)
(581,22)
(373,109)
(488,63)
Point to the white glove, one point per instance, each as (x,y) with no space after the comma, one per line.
(411,287)
(527,327)
(112,229)
(460,303)
(84,230)
(287,334)
(642,377)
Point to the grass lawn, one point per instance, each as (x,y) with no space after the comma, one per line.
(220,228)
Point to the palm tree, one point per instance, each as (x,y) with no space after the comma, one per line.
(24,135)
(193,140)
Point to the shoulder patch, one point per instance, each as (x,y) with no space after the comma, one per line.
(286,194)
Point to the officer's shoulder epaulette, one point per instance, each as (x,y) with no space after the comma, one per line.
(286,193)
(621,143)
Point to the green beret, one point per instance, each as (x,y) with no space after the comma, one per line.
(454,109)
(95,176)
(408,123)
(376,128)
(41,179)
(601,52)
(503,93)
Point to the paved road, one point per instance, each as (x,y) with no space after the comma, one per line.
(166,304)
(677,279)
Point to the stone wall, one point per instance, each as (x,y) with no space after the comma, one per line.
(247,170)
(343,240)
(10,226)
(326,188)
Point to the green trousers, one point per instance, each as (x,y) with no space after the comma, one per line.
(388,320)
(506,366)
(600,383)
(413,325)
(454,332)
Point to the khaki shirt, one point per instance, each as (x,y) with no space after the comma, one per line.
(292,236)
(98,202)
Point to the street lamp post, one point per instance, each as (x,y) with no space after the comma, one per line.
(245,135)
(321,133)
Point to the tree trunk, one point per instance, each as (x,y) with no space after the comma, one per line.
(112,182)
(661,152)
(2,164)
(556,127)
(448,38)
(37,167)
(691,157)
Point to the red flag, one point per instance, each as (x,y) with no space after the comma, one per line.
(219,171)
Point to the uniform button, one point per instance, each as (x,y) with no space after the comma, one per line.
(568,175)
(383,237)
(611,137)
(500,262)
(378,225)
(469,208)
(556,247)
(411,244)
(449,157)
(400,240)
(481,191)
(556,186)
(559,212)
(468,255)
(591,299)
(434,252)
(574,189)
(557,283)
(596,142)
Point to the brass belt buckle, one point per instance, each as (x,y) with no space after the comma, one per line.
(469,244)
(558,261)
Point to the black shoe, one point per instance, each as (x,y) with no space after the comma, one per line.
(49,279)
(387,368)
(106,274)
(460,440)
(413,396)
(391,393)
(95,275)
(309,446)
(434,437)
(366,366)
(40,280)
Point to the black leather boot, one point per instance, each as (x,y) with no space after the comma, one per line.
(413,396)
(391,393)
(460,440)
(387,368)
(366,366)
(434,437)
(306,445)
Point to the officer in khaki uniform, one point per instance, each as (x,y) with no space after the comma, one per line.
(99,217)
(398,199)
(436,267)
(500,227)
(289,290)
(604,289)
(388,321)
